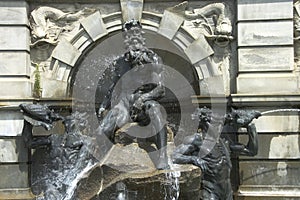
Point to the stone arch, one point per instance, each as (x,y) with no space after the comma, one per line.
(97,27)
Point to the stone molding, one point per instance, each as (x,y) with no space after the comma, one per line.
(262,100)
(261,192)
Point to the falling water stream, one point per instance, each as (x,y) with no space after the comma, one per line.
(171,186)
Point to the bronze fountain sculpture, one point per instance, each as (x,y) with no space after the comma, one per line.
(215,163)
(139,105)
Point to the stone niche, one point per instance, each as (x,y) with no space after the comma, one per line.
(198,32)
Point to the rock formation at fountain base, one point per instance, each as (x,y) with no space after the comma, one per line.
(127,172)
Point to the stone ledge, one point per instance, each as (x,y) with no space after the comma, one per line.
(265,100)
(269,191)
(16,194)
(206,100)
(12,104)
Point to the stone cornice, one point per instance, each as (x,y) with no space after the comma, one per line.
(13,103)
(288,100)
(251,100)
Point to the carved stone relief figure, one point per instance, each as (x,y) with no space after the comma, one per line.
(214,22)
(49,24)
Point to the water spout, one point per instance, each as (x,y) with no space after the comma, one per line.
(280,110)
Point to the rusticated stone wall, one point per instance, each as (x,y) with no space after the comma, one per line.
(267,79)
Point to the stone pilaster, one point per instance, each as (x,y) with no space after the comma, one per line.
(15,86)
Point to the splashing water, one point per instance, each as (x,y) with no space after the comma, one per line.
(73,185)
(66,162)
(280,110)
